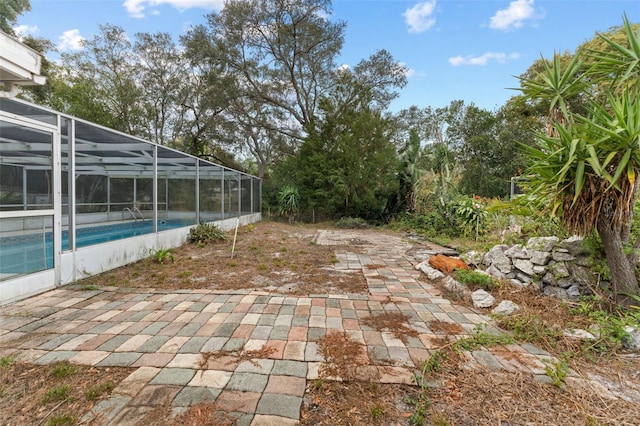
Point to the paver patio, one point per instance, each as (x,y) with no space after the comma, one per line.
(163,333)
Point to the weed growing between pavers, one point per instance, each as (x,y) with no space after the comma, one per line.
(236,357)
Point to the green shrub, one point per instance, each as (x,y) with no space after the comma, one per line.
(478,279)
(288,202)
(352,223)
(162,255)
(204,233)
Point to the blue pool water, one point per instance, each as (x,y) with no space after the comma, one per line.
(31,253)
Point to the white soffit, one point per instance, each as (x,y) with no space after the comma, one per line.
(19,64)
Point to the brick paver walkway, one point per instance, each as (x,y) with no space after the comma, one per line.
(162,334)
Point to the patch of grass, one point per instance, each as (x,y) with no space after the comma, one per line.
(475,278)
(7,360)
(609,326)
(376,411)
(529,327)
(232,264)
(63,369)
(56,393)
(262,266)
(61,420)
(99,390)
(480,337)
(89,287)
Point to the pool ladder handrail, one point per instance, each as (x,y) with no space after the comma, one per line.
(136,209)
(127,209)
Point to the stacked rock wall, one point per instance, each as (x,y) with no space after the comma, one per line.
(558,267)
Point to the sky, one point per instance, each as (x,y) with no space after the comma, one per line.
(470,50)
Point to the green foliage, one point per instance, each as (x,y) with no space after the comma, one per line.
(56,393)
(6,361)
(63,369)
(348,166)
(90,287)
(288,202)
(478,279)
(557,371)
(608,326)
(526,327)
(352,223)
(162,255)
(204,233)
(480,337)
(61,420)
(584,168)
(98,390)
(376,410)
(469,214)
(9,12)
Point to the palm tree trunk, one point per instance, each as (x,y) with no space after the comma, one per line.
(623,277)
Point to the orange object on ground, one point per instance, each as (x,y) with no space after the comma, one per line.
(446,264)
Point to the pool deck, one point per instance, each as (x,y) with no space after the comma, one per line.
(161,334)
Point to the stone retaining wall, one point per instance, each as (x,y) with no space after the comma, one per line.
(558,267)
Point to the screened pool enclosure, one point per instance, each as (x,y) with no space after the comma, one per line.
(77,199)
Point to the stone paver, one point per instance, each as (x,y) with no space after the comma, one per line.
(173,341)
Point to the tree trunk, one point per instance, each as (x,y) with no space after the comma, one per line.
(623,277)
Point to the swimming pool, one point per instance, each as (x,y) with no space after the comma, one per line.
(34,252)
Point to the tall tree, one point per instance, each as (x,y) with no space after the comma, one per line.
(102,82)
(162,73)
(9,12)
(409,172)
(348,167)
(282,53)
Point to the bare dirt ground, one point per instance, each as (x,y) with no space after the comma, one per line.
(267,256)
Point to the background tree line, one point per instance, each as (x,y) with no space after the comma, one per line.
(257,87)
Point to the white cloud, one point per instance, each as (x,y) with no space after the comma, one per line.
(25,30)
(481,60)
(136,8)
(410,72)
(419,18)
(70,40)
(514,16)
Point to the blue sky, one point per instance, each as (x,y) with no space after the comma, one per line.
(455,49)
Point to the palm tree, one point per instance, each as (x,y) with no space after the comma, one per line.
(585,166)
